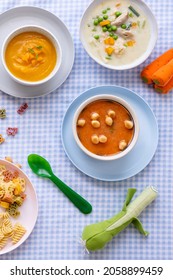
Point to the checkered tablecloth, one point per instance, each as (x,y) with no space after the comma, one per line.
(59,225)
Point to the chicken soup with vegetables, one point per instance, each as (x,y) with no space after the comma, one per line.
(117,32)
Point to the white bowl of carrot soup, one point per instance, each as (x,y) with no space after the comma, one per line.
(31,55)
(105,127)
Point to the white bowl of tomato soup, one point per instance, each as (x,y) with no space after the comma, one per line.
(105,127)
(31,55)
(118,34)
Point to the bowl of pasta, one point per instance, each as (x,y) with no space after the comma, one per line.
(18,206)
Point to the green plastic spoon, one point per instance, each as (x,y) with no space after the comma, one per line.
(41,167)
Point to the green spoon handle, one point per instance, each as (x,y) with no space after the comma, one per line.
(84,206)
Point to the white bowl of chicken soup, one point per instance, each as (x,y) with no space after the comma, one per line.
(118,34)
(105,127)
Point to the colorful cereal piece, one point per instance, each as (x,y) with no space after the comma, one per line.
(22,108)
(11,131)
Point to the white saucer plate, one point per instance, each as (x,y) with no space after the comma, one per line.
(131,164)
(25,15)
(28,211)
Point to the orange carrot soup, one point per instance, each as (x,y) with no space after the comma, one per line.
(105,127)
(30,56)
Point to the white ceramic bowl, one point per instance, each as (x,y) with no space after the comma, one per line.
(129,109)
(153,34)
(43,31)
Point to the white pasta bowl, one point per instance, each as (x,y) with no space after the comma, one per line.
(135,61)
(111,98)
(47,34)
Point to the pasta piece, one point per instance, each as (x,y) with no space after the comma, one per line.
(111,113)
(9,159)
(1,235)
(8,231)
(12,189)
(2,113)
(81,122)
(7,227)
(13,210)
(11,131)
(18,233)
(2,168)
(22,108)
(95,116)
(2,139)
(3,242)
(95,123)
(108,120)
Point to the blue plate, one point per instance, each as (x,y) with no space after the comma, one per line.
(131,164)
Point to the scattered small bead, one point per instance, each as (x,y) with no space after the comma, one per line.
(2,139)
(95,123)
(81,122)
(111,113)
(95,116)
(128,124)
(102,139)
(11,131)
(122,145)
(95,139)
(108,120)
(2,113)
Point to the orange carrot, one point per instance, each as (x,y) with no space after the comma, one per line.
(164,89)
(150,69)
(109,50)
(163,75)
(104,22)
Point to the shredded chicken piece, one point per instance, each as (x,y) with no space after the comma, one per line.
(119,46)
(127,34)
(121,19)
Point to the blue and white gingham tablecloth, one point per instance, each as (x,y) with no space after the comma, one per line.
(59,225)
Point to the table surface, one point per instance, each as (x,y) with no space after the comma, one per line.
(59,225)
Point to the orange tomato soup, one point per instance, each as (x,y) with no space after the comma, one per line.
(30,56)
(114,133)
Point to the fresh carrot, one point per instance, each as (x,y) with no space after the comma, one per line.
(150,69)
(164,89)
(163,75)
